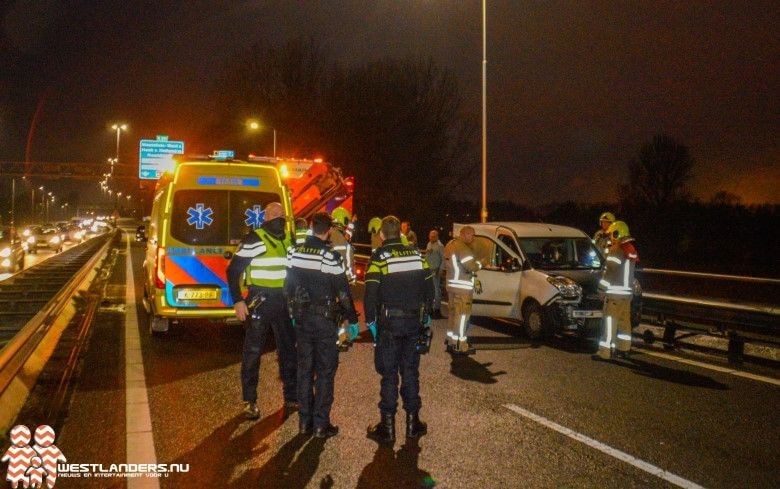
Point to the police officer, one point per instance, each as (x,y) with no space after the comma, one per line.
(616,282)
(262,258)
(461,268)
(318,295)
(338,238)
(397,300)
(601,238)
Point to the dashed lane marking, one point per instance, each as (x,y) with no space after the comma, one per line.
(139,435)
(716,368)
(613,452)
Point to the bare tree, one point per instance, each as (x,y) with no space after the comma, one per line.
(661,174)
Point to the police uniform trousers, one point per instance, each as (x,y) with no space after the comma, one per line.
(318,359)
(616,325)
(459,301)
(396,354)
(272,315)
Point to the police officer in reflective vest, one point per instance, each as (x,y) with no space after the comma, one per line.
(261,258)
(617,283)
(461,268)
(399,292)
(318,296)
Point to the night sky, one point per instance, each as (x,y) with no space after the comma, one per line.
(574,88)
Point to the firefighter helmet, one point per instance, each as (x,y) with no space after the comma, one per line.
(618,230)
(340,216)
(374,225)
(607,216)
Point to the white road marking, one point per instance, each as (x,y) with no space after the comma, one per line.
(613,452)
(140,438)
(716,368)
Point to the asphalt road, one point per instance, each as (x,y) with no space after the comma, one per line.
(42,255)
(492,417)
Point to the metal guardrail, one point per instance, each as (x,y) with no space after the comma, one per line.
(737,320)
(18,350)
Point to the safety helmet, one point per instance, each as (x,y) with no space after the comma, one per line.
(340,216)
(607,216)
(618,230)
(374,225)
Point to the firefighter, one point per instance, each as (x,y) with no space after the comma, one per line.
(301,231)
(261,258)
(399,291)
(461,268)
(374,226)
(318,296)
(601,238)
(341,220)
(616,283)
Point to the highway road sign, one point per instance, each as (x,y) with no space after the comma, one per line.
(155,157)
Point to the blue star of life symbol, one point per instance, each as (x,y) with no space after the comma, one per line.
(200,216)
(254,217)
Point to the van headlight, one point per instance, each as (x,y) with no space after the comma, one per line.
(5,252)
(568,288)
(55,240)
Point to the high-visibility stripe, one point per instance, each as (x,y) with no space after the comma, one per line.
(271,261)
(404,267)
(269,274)
(623,336)
(614,259)
(252,252)
(335,270)
(608,342)
(605,283)
(462,324)
(626,269)
(466,259)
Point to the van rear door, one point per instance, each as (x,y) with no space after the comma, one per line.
(206,226)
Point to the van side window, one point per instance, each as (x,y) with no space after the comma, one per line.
(510,243)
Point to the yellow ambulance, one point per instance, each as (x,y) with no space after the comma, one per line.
(202,209)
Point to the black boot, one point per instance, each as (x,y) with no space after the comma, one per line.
(414,427)
(384,431)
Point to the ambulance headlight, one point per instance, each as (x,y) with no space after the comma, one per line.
(5,252)
(568,288)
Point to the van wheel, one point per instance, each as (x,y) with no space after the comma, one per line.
(158,326)
(533,320)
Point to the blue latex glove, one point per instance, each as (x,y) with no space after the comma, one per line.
(372,328)
(352,330)
(427,322)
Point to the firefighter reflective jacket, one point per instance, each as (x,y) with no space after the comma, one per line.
(618,275)
(461,265)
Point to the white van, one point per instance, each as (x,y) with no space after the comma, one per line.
(542,274)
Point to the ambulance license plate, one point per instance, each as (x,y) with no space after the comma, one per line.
(196,295)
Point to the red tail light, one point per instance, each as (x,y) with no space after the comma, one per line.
(349,182)
(159,269)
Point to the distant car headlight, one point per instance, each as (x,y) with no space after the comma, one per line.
(6,263)
(31,240)
(5,252)
(56,240)
(568,288)
(26,233)
(79,234)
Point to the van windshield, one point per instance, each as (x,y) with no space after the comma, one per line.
(217,217)
(561,253)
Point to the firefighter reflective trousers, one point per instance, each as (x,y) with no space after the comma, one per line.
(616,325)
(459,311)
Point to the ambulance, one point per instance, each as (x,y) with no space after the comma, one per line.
(202,209)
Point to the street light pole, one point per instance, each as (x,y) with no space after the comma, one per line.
(484,213)
(13,201)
